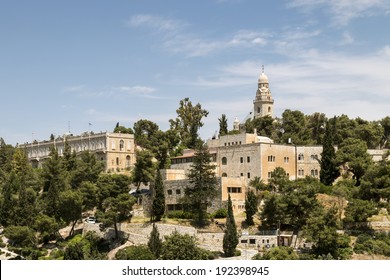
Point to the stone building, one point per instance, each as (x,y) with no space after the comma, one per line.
(238,159)
(115,150)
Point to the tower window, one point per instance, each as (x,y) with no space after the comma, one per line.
(258,110)
(224,161)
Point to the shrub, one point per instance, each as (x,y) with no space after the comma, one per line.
(220,213)
(141,252)
(180,215)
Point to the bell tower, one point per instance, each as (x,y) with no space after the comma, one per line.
(263,105)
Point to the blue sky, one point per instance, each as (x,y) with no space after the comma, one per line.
(103,62)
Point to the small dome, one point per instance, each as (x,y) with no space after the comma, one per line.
(263,78)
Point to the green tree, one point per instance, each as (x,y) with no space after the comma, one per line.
(88,247)
(321,230)
(223,125)
(251,203)
(54,181)
(139,252)
(181,247)
(70,208)
(263,125)
(370,132)
(279,181)
(316,124)
(144,169)
(6,155)
(329,169)
(21,236)
(155,243)
(376,182)
(273,212)
(8,199)
(115,210)
(203,184)
(358,211)
(230,238)
(145,133)
(121,129)
(385,123)
(87,169)
(47,228)
(294,127)
(158,204)
(352,154)
(188,122)
(69,158)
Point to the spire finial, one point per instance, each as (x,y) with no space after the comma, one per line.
(262,68)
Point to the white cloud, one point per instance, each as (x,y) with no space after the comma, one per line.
(343,11)
(85,92)
(315,82)
(385,51)
(155,22)
(178,40)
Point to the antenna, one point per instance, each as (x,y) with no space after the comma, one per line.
(262,68)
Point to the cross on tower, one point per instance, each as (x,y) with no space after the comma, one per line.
(262,68)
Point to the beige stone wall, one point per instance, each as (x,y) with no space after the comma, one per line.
(275,155)
(307,163)
(238,190)
(233,140)
(120,153)
(239,161)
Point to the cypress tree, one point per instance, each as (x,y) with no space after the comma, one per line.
(230,238)
(250,207)
(158,205)
(155,243)
(329,170)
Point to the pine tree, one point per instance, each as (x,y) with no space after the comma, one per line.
(155,243)
(158,205)
(203,184)
(223,125)
(250,207)
(230,238)
(53,182)
(329,170)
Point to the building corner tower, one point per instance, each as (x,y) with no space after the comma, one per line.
(263,105)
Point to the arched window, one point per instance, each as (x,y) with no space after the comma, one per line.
(128,161)
(121,145)
(301,157)
(224,161)
(269,109)
(224,174)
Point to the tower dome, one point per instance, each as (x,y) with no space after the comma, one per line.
(263,78)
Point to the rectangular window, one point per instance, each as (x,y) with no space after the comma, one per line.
(169,192)
(234,189)
(252,241)
(249,175)
(242,174)
(178,191)
(113,144)
(241,159)
(271,158)
(248,159)
(286,159)
(269,175)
